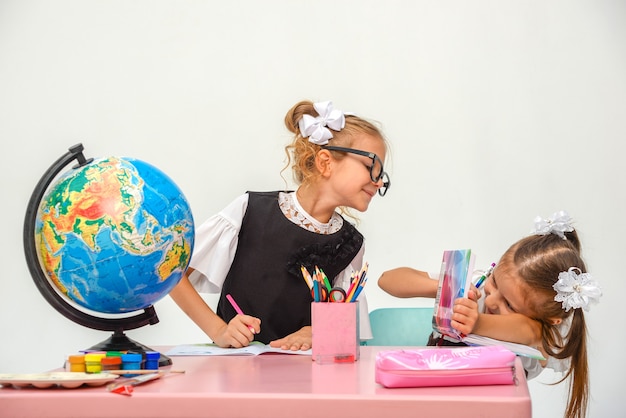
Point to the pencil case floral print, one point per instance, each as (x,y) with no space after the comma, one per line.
(459,366)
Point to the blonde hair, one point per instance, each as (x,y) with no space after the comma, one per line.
(301,152)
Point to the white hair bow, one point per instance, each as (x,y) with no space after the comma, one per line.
(559,223)
(315,128)
(576,289)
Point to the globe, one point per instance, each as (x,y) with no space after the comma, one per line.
(108,237)
(115,235)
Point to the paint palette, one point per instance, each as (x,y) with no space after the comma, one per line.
(68,380)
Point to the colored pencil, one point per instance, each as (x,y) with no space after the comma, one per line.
(316,291)
(359,278)
(358,290)
(324,278)
(353,284)
(238,310)
(307,277)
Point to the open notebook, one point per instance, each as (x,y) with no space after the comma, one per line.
(455,279)
(210,349)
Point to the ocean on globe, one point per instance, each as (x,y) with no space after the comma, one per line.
(115,235)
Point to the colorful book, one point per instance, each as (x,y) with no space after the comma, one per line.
(455,280)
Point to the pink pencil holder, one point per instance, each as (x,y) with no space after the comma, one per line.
(335,328)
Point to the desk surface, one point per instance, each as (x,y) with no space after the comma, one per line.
(272,385)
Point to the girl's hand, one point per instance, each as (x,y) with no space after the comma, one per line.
(299,340)
(238,332)
(465,313)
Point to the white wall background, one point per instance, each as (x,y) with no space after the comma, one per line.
(497,111)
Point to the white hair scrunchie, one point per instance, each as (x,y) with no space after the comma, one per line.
(316,128)
(559,223)
(576,289)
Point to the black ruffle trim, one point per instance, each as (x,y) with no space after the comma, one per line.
(336,253)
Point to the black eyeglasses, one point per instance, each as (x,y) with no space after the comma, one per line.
(376,169)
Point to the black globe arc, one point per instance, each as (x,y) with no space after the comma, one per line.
(118,341)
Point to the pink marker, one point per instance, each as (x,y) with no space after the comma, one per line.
(238,310)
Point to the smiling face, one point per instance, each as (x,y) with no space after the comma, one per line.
(506,292)
(350,181)
(523,281)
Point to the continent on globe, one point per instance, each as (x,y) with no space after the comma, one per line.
(115,235)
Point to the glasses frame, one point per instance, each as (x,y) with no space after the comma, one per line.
(383,174)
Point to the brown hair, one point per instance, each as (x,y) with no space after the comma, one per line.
(301,152)
(538,260)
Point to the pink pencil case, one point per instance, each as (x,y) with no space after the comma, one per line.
(459,366)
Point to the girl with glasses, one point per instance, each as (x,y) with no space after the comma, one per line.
(253,249)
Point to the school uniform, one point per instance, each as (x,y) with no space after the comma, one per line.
(253,250)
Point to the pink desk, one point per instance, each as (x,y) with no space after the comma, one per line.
(270,385)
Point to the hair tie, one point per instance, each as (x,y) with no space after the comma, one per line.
(576,289)
(559,223)
(316,128)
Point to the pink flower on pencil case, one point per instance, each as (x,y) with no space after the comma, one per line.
(460,366)
(446,358)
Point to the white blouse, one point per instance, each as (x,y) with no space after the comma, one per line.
(216,243)
(534,368)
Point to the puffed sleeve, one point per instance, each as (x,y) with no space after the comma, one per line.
(532,366)
(215,246)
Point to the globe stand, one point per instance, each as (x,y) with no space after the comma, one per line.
(118,341)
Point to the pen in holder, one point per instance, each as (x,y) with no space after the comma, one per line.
(335,328)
